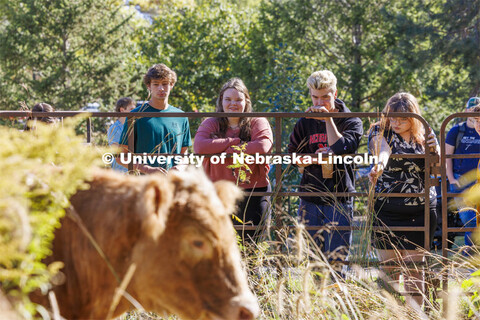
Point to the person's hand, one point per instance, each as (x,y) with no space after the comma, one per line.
(323,150)
(301,166)
(432,142)
(455,182)
(317,109)
(180,167)
(150,170)
(376,171)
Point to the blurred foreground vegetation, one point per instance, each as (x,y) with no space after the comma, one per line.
(40,170)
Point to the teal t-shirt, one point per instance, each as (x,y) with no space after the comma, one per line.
(159,134)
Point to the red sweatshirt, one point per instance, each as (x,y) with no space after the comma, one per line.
(261,142)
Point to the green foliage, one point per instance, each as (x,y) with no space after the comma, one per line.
(241,168)
(205,45)
(469,285)
(377,48)
(156,7)
(65,52)
(440,83)
(41,169)
(356,40)
(457,38)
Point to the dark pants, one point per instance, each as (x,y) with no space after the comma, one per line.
(251,210)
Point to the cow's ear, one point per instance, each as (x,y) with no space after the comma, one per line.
(229,194)
(157,196)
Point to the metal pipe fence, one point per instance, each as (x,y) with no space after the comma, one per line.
(434,164)
(430,158)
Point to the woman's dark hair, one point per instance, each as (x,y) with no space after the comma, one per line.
(41,107)
(245,122)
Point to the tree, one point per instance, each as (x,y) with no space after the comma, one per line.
(65,52)
(205,45)
(354,39)
(437,46)
(458,38)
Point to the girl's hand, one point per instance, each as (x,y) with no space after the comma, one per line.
(376,171)
(432,142)
(151,170)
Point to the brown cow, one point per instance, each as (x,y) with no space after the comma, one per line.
(177,230)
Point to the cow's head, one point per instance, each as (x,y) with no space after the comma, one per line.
(188,249)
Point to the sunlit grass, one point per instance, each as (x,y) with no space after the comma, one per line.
(293,279)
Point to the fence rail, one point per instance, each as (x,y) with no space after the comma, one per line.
(430,158)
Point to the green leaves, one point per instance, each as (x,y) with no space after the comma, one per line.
(241,170)
(66,53)
(41,169)
(473,283)
(206,45)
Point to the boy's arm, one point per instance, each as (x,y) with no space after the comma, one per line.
(450,145)
(449,149)
(143,168)
(298,143)
(349,137)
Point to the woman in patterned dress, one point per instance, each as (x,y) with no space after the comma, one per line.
(397,135)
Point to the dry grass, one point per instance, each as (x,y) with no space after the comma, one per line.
(292,280)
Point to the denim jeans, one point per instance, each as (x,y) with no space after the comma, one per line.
(468,217)
(320,215)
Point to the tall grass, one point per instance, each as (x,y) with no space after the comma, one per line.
(293,279)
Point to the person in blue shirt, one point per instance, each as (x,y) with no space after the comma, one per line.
(158,135)
(463,139)
(115,130)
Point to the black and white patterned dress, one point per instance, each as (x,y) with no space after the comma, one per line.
(403,175)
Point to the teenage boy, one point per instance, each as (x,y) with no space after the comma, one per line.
(115,130)
(158,135)
(338,136)
(463,139)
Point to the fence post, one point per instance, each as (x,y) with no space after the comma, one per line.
(89,130)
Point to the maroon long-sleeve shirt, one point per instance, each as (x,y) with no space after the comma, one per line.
(261,143)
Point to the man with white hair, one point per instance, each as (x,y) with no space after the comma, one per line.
(317,134)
